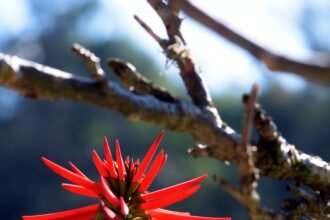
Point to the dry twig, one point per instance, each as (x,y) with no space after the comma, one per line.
(249,175)
(136,82)
(175,49)
(91,60)
(307,69)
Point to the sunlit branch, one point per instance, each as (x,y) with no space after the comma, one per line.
(307,69)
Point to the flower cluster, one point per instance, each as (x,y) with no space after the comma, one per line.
(122,189)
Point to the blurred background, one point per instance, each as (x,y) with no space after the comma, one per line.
(43,31)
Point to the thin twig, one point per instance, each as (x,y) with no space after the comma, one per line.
(302,193)
(148,30)
(248,172)
(307,69)
(91,60)
(233,191)
(259,213)
(248,119)
(263,123)
(170,18)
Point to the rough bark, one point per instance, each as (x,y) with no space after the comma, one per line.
(36,81)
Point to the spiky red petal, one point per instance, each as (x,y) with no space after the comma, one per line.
(171,199)
(171,212)
(76,170)
(152,172)
(85,213)
(172,189)
(109,213)
(163,162)
(73,177)
(99,164)
(79,190)
(120,162)
(145,162)
(109,159)
(165,215)
(108,194)
(123,207)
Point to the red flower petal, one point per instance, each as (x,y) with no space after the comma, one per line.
(161,215)
(108,194)
(79,190)
(148,158)
(173,198)
(163,162)
(171,212)
(114,173)
(108,156)
(131,167)
(127,161)
(73,177)
(99,164)
(109,213)
(85,213)
(152,172)
(123,207)
(172,189)
(77,171)
(120,162)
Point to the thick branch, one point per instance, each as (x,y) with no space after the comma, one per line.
(311,71)
(35,80)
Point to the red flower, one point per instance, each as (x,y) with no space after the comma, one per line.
(122,189)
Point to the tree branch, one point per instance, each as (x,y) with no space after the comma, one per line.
(136,82)
(91,60)
(250,203)
(175,49)
(307,69)
(274,149)
(247,194)
(249,175)
(309,205)
(37,81)
(170,18)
